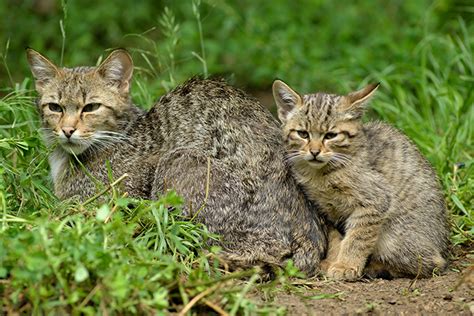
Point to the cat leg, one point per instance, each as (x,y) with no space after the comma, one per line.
(362,231)
(307,250)
(334,245)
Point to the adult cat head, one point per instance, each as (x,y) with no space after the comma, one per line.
(321,129)
(83,107)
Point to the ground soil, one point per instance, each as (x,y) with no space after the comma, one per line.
(451,293)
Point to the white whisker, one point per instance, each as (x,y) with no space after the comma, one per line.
(339,159)
(291,157)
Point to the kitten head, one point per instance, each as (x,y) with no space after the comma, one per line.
(83,107)
(321,129)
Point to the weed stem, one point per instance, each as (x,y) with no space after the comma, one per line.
(95,197)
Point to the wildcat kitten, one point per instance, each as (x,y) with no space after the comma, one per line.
(371,182)
(252,200)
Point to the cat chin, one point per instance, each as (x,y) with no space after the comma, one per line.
(73,149)
(316,164)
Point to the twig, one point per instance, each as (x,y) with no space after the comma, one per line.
(215,307)
(95,197)
(107,219)
(231,276)
(413,282)
(198,297)
(206,196)
(89,296)
(103,308)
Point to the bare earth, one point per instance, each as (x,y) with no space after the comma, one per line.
(452,293)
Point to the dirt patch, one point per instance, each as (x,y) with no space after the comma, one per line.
(452,293)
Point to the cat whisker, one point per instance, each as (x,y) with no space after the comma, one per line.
(339,159)
(45,129)
(108,135)
(292,157)
(111,133)
(104,139)
(49,137)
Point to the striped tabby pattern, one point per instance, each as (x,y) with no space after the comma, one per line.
(372,184)
(201,127)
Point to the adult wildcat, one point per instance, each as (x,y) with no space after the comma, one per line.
(371,182)
(252,200)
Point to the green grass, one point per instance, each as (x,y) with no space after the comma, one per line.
(133,256)
(120,255)
(431,98)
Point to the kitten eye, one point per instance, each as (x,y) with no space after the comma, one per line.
(91,107)
(54,107)
(330,135)
(303,134)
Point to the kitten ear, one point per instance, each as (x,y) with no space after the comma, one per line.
(41,67)
(285,98)
(361,97)
(117,69)
(357,100)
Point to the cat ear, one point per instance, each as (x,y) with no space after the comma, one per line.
(42,69)
(117,69)
(286,99)
(358,100)
(361,97)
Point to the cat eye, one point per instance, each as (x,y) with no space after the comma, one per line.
(91,107)
(54,107)
(330,135)
(303,134)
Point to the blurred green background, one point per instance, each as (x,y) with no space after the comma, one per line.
(313,44)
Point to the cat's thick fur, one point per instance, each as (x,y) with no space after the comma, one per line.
(253,201)
(371,182)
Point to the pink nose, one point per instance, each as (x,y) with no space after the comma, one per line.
(68,131)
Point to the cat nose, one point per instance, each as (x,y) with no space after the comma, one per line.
(315,153)
(68,131)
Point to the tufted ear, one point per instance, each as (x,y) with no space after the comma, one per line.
(117,69)
(360,98)
(356,102)
(41,67)
(286,99)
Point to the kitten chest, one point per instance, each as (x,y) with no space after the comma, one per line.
(337,200)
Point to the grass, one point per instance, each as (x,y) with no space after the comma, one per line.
(121,255)
(118,255)
(438,86)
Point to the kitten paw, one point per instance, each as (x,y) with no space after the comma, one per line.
(340,271)
(324,266)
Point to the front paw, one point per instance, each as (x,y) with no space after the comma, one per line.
(325,265)
(341,271)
